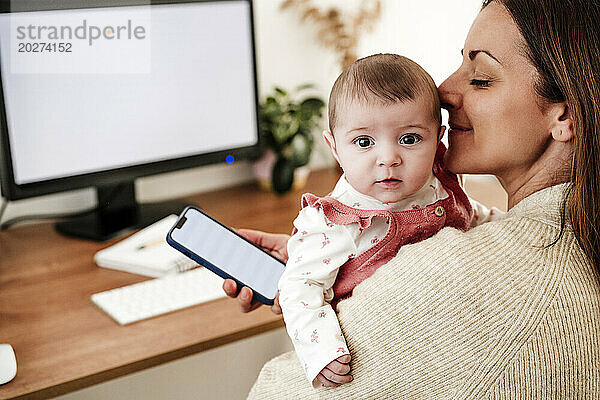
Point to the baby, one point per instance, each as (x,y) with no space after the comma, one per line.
(384,130)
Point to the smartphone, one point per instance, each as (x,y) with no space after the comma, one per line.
(227,254)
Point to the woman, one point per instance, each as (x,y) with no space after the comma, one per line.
(509,309)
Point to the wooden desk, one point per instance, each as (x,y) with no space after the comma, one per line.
(64,343)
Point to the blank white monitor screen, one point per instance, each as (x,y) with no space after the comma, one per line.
(190,91)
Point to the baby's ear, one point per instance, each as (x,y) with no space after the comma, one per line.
(441,132)
(328,136)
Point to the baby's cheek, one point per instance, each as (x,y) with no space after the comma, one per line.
(421,178)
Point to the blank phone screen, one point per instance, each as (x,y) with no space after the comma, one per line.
(230,253)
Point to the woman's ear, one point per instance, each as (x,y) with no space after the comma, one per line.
(328,136)
(561,122)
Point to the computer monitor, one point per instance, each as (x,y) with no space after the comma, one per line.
(99,94)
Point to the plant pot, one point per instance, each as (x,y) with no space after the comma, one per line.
(263,169)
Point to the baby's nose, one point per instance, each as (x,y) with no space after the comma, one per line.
(389,158)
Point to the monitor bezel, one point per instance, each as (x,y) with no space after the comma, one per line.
(13,191)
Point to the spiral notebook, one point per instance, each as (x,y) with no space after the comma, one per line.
(146,253)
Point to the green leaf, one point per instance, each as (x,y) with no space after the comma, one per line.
(310,109)
(304,87)
(283,175)
(271,101)
(301,150)
(285,128)
(312,103)
(280,133)
(280,91)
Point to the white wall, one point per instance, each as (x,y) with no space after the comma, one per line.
(431,32)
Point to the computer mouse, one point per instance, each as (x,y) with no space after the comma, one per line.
(8,363)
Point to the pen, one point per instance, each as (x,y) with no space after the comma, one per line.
(150,244)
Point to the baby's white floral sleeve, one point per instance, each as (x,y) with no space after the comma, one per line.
(482,214)
(316,252)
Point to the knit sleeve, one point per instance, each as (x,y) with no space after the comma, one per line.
(316,251)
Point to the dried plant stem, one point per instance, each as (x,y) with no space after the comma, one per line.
(336,31)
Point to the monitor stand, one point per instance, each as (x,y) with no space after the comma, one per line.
(117,212)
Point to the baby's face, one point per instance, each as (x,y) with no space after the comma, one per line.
(386,150)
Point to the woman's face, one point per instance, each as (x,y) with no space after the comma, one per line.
(496,124)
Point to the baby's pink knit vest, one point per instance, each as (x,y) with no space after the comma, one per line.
(405,227)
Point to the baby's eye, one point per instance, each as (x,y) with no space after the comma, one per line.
(364,142)
(410,139)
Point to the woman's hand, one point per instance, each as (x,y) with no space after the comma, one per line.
(336,372)
(276,244)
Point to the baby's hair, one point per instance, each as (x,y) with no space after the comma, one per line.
(386,78)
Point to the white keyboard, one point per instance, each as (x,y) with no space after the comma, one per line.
(147,299)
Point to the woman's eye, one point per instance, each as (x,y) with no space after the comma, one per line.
(410,139)
(363,142)
(480,83)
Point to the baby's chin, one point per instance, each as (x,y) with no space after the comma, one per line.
(388,198)
(394,196)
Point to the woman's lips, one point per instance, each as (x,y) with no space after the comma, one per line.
(457,130)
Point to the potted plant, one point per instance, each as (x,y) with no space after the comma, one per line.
(286,127)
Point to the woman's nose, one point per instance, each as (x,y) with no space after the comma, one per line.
(450,97)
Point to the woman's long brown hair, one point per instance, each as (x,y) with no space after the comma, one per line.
(563,40)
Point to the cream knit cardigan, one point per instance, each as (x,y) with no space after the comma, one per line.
(485,314)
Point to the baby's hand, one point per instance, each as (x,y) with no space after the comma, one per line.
(336,372)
